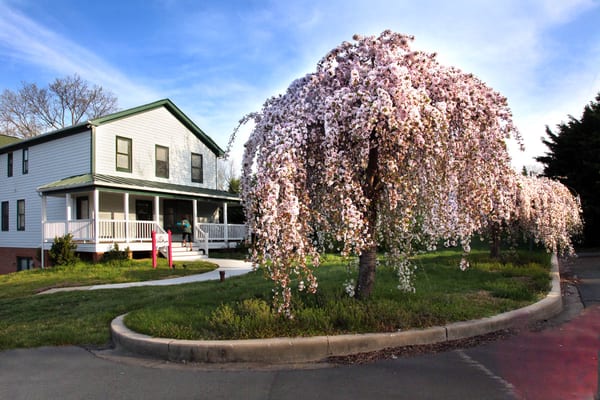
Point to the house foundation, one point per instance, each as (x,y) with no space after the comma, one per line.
(13,259)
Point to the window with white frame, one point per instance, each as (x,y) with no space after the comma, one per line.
(5,218)
(123,154)
(20,215)
(9,164)
(25,161)
(162,161)
(197,172)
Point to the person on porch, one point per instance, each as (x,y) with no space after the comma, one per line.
(187,231)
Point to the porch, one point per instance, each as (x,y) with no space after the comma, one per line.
(137,235)
(99,218)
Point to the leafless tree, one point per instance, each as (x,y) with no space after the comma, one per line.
(67,101)
(228,178)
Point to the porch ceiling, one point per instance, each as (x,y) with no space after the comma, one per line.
(131,184)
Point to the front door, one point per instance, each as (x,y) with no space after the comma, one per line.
(143,210)
(174,211)
(82,208)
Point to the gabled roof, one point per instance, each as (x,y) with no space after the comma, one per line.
(173,109)
(88,181)
(166,103)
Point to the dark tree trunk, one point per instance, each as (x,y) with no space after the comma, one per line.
(495,242)
(368,257)
(366,273)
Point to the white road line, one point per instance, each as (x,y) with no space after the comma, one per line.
(508,387)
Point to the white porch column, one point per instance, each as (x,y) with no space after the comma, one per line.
(68,206)
(194,214)
(67,212)
(156,210)
(226,228)
(126,213)
(96,216)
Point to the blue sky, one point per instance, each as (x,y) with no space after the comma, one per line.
(218,60)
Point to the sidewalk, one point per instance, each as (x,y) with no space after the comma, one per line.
(230,267)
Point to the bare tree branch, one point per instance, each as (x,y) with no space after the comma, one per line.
(67,101)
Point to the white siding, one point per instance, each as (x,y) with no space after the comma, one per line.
(146,130)
(48,162)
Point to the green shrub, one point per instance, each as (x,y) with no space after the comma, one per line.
(62,251)
(115,256)
(244,319)
(224,321)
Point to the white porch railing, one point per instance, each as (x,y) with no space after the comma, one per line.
(108,230)
(137,231)
(217,232)
(201,237)
(81,229)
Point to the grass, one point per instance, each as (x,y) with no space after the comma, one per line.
(27,283)
(239,307)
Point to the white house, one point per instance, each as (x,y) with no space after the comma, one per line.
(114,179)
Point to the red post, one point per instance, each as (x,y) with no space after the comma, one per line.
(154,249)
(170,249)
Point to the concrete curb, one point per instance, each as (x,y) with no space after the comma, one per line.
(311,349)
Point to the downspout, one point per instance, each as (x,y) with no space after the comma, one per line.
(226,223)
(42,254)
(126,215)
(96,219)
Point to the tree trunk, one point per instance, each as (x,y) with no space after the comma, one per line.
(495,242)
(366,273)
(368,258)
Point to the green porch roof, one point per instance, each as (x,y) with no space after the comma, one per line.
(6,140)
(89,181)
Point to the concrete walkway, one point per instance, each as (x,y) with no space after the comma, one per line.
(230,267)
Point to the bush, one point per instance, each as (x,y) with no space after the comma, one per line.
(62,251)
(248,318)
(115,256)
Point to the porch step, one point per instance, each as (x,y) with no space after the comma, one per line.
(180,253)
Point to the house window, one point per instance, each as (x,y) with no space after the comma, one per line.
(123,162)
(5,216)
(24,263)
(197,174)
(20,215)
(9,164)
(162,161)
(25,161)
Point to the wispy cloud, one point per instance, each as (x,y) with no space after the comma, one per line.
(220,60)
(27,41)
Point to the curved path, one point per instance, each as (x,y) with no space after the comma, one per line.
(230,267)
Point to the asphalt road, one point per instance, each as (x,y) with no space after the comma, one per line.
(556,361)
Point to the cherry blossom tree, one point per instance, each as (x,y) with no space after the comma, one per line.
(547,212)
(381,146)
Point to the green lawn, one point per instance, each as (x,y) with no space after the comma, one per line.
(239,307)
(27,283)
